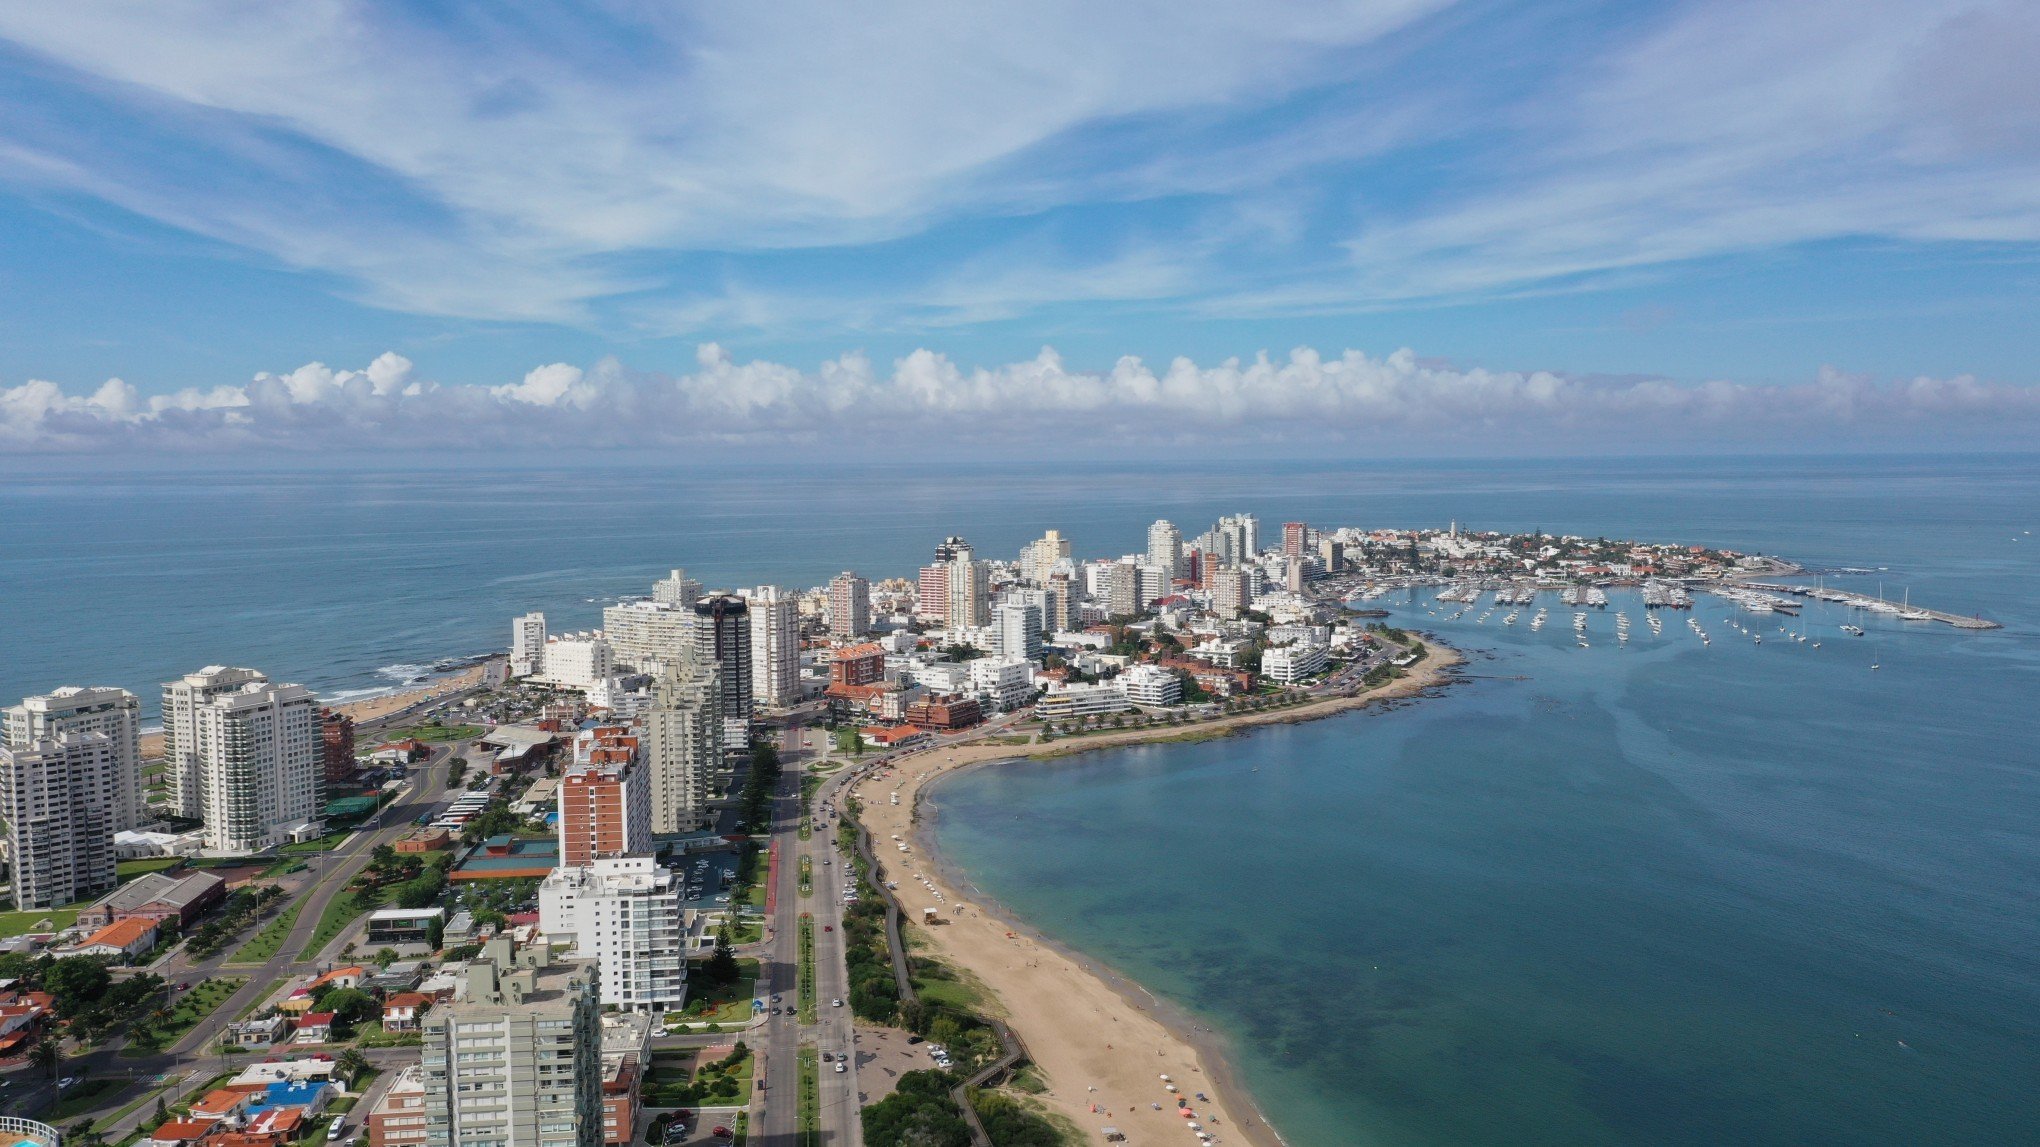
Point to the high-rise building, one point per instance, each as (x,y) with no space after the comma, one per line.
(684,745)
(1038,557)
(605,798)
(647,636)
(259,762)
(775,647)
(1228,592)
(1165,547)
(116,713)
(1155,582)
(1122,590)
(624,916)
(57,795)
(950,547)
(1295,536)
(722,638)
(969,589)
(677,589)
(1061,613)
(931,600)
(527,645)
(336,750)
(576,660)
(1292,574)
(1332,554)
(1016,629)
(515,1060)
(181,701)
(849,605)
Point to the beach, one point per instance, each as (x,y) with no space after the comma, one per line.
(1102,1041)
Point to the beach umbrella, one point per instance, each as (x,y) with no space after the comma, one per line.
(1187,1113)
(1165,1079)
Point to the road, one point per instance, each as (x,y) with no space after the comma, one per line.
(334,871)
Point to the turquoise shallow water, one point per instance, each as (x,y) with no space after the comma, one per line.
(1653,895)
(1666,893)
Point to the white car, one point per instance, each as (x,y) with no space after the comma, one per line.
(835,1003)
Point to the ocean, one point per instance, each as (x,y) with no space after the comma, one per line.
(1648,893)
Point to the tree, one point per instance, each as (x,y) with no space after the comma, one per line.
(384,957)
(721,967)
(47,1054)
(352,1063)
(75,981)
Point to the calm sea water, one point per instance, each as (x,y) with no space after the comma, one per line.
(1665,893)
(1654,894)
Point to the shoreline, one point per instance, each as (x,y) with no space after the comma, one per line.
(1060,1001)
(363,710)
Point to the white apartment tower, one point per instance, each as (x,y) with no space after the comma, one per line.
(1165,548)
(527,645)
(116,713)
(622,914)
(775,647)
(260,772)
(969,590)
(57,795)
(648,635)
(684,745)
(677,589)
(1016,630)
(516,1059)
(1038,557)
(181,701)
(849,605)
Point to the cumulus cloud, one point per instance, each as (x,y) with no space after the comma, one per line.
(926,404)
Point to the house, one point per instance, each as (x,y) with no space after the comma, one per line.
(404,1011)
(892,737)
(400,752)
(425,840)
(307,1097)
(315,1027)
(124,941)
(276,1125)
(405,925)
(157,896)
(298,1002)
(225,1103)
(178,1133)
(23,1017)
(348,977)
(268,1031)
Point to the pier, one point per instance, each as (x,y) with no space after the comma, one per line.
(1877,605)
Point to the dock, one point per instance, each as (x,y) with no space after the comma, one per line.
(1876,604)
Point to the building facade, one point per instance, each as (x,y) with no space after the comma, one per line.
(677,589)
(849,605)
(517,1060)
(647,636)
(181,701)
(722,640)
(115,713)
(336,750)
(1165,548)
(622,914)
(57,796)
(683,746)
(260,764)
(605,798)
(775,647)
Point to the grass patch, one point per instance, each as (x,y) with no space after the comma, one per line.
(269,941)
(806,883)
(192,1006)
(810,1123)
(728,1004)
(805,993)
(84,1097)
(432,734)
(37,920)
(127,870)
(337,918)
(938,983)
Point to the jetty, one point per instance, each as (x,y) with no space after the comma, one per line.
(1906,612)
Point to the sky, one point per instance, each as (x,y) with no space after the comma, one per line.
(1404,226)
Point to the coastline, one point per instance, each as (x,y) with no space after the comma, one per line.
(1087,1028)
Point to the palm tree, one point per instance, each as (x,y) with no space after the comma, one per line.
(48,1054)
(352,1063)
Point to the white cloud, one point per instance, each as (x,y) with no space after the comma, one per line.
(926,404)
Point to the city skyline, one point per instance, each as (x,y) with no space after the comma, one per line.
(1600,228)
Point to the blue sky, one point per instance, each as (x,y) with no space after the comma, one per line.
(1590,225)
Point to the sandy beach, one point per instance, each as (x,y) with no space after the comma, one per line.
(368,708)
(1101,1040)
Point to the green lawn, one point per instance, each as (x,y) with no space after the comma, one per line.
(129,869)
(85,1096)
(270,940)
(806,993)
(339,915)
(810,1096)
(725,1005)
(22,923)
(201,1001)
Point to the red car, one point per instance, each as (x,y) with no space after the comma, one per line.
(828,927)
(722,1133)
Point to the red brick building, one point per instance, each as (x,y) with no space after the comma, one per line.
(336,749)
(945,713)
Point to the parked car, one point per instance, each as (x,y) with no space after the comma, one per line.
(840,1067)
